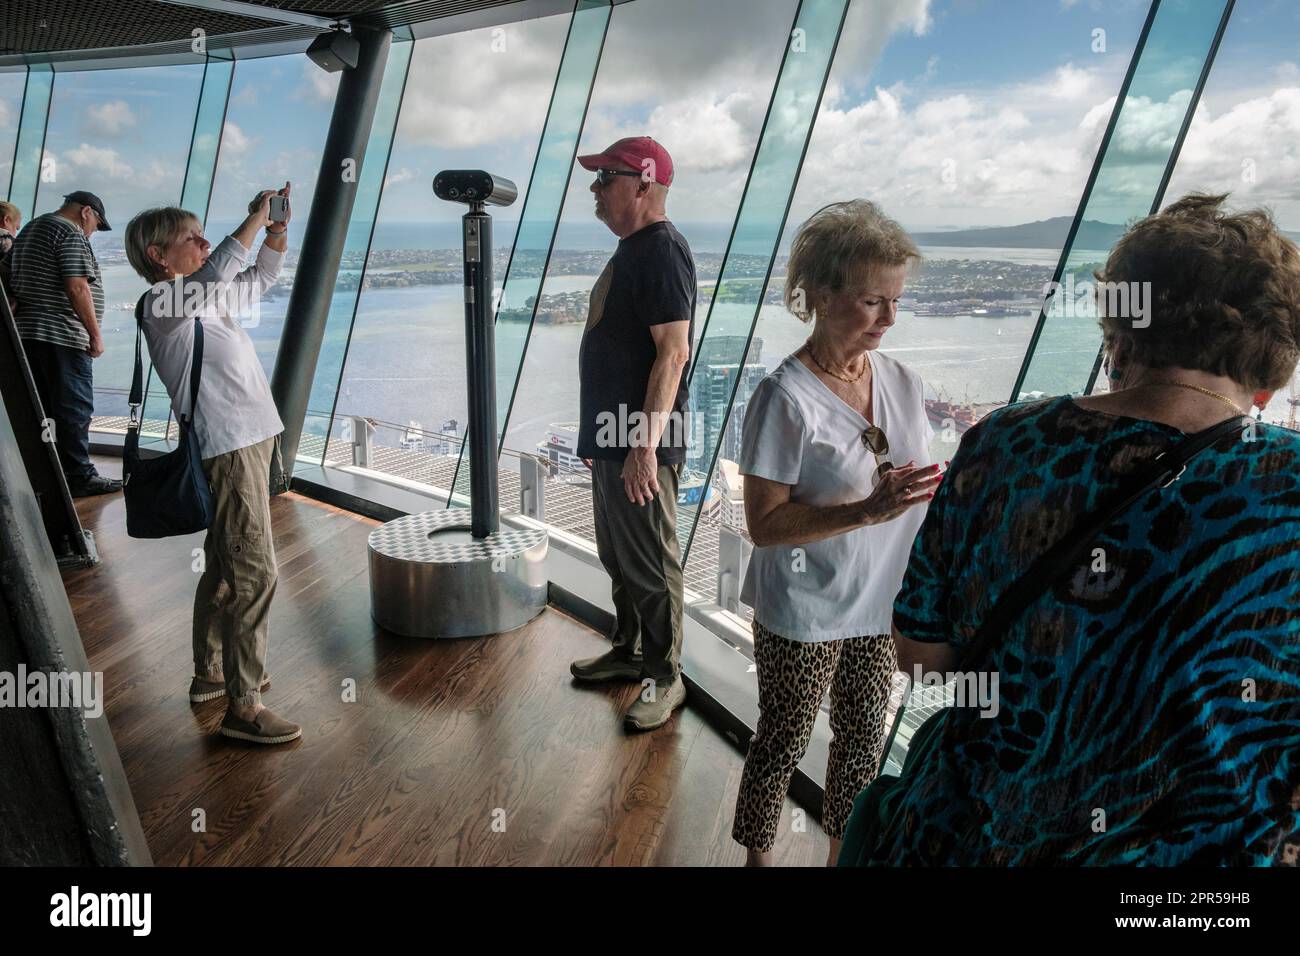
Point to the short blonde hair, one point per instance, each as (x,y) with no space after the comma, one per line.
(9,211)
(154,227)
(835,245)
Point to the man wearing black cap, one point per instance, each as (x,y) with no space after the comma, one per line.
(633,384)
(60,299)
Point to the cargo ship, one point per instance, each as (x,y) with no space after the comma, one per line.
(940,412)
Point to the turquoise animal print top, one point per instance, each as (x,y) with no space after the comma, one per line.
(1149,705)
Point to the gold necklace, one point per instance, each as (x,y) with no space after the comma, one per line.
(843,378)
(1204,391)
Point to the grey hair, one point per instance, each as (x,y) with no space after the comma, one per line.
(154,227)
(835,245)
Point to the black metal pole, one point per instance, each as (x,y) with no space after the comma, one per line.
(323,240)
(481,363)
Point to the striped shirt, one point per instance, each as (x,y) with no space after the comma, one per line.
(48,250)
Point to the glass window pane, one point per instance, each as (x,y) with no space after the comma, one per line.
(706,106)
(12,83)
(742,283)
(978,138)
(1069,341)
(343,304)
(125,136)
(25,173)
(979,142)
(156,418)
(1244,139)
(206,139)
(539,216)
(275,126)
(405,365)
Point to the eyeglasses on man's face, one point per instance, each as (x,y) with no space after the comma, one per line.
(605,176)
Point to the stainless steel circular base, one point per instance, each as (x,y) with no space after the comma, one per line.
(429,577)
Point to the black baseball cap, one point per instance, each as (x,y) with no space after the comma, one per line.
(91,200)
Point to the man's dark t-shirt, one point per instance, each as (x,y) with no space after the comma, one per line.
(649,280)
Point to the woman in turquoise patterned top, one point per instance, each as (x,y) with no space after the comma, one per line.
(1149,703)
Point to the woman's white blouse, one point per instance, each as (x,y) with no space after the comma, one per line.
(800,433)
(235,405)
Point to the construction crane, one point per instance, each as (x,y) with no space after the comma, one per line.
(1293,399)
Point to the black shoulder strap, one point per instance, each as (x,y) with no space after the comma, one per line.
(135,399)
(1062,557)
(196,369)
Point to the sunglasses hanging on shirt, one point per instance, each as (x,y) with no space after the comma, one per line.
(874,440)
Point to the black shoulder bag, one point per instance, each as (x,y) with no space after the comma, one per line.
(875,810)
(167,495)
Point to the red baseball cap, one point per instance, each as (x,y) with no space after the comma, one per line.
(639,152)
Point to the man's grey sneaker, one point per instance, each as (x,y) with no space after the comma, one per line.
(649,714)
(204,690)
(265,728)
(95,485)
(608,666)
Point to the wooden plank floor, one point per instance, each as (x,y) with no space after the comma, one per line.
(470,752)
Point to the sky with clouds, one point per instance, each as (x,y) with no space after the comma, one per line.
(122,134)
(950,113)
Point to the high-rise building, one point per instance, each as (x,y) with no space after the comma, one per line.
(717,375)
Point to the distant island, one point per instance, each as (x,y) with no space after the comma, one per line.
(1043,234)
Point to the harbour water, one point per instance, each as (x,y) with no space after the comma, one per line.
(405,351)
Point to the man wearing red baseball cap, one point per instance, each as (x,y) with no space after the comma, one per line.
(632,430)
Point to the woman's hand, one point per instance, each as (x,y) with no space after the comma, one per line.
(898,490)
(259,215)
(259,209)
(288,213)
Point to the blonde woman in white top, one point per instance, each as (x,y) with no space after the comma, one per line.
(837,470)
(237,428)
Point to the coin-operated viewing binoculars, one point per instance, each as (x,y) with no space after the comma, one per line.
(442,573)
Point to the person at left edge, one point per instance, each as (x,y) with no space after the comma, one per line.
(60,297)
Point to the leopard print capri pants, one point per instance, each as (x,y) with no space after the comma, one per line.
(793,677)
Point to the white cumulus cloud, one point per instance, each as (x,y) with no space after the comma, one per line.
(109,119)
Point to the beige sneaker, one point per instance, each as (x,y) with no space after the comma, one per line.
(204,690)
(611,665)
(649,714)
(265,728)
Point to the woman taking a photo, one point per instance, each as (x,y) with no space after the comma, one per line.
(237,428)
(831,517)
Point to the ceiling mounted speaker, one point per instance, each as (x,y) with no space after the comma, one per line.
(334,51)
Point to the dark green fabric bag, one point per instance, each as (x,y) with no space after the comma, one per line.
(875,807)
(875,810)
